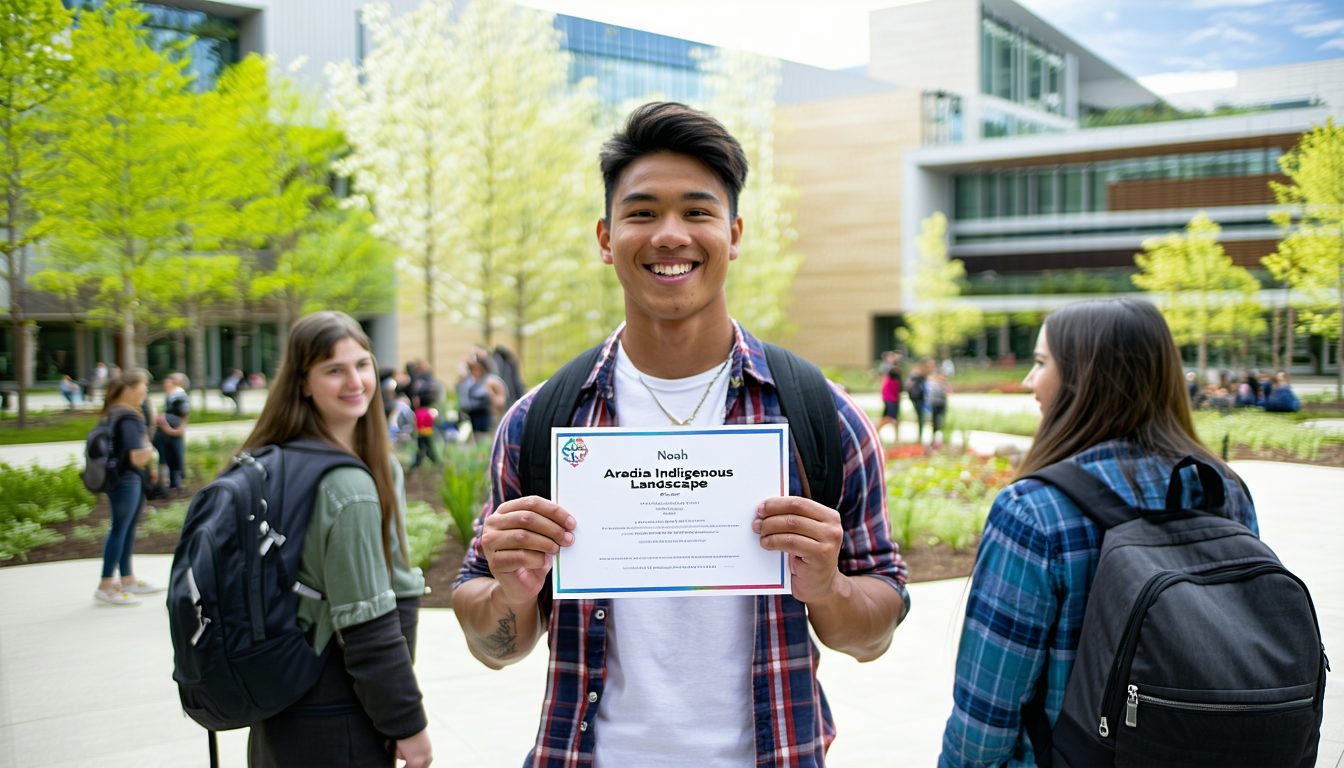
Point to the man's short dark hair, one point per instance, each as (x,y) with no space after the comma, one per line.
(664,126)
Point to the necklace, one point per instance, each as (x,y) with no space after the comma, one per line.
(679,422)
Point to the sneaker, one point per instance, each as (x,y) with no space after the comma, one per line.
(116,597)
(140,587)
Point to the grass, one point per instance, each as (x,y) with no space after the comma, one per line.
(943,498)
(425,530)
(163,518)
(75,426)
(980,420)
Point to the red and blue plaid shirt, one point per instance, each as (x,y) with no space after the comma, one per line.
(793,724)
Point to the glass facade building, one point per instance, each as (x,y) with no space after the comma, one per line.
(1020,68)
(1079,188)
(631,63)
(215,43)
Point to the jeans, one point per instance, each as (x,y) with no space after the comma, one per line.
(127,500)
(173,454)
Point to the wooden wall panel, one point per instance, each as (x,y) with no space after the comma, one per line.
(1213,192)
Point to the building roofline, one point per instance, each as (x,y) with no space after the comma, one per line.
(1121,137)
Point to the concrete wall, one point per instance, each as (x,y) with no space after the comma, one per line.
(930,45)
(844,158)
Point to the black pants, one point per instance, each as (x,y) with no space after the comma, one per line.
(172,452)
(328,727)
(921,415)
(937,412)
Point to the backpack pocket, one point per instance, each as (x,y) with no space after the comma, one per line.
(1177,730)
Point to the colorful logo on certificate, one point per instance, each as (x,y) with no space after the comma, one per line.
(574,451)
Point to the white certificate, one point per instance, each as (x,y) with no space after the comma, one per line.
(668,512)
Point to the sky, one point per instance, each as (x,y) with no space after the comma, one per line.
(1173,45)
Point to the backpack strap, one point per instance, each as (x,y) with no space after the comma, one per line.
(1210,481)
(1096,499)
(815,423)
(552,406)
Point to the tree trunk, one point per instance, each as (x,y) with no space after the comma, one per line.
(282,327)
(128,323)
(520,314)
(179,350)
(1274,344)
(1004,346)
(198,356)
(17,322)
(1291,331)
(429,307)
(1203,363)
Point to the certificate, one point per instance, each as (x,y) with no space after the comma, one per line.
(668,512)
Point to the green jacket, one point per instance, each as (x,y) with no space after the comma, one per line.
(343,554)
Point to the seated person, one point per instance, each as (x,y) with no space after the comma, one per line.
(1282,399)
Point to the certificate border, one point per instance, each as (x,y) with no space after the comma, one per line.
(557,433)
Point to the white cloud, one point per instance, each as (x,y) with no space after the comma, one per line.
(1110,16)
(1320,29)
(1225,32)
(1338,42)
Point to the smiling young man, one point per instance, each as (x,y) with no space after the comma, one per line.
(675,681)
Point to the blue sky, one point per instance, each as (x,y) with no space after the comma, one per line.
(1148,37)
(1141,37)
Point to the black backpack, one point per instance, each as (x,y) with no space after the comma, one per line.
(238,653)
(102,462)
(1198,647)
(801,387)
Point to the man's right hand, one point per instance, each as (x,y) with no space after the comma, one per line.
(519,540)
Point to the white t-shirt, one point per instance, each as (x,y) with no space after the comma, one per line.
(678,689)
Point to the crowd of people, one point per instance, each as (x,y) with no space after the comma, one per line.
(1252,389)
(728,680)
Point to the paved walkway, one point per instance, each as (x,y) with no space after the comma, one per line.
(71,670)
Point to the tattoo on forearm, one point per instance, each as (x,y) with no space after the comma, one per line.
(504,640)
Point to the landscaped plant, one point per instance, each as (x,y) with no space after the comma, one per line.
(163,518)
(425,530)
(1258,430)
(31,498)
(465,482)
(942,497)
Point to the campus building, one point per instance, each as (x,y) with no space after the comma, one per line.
(976,108)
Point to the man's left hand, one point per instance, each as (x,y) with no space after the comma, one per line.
(812,534)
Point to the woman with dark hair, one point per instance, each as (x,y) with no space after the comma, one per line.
(365,709)
(132,451)
(1108,378)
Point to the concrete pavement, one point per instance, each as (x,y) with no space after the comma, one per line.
(82,684)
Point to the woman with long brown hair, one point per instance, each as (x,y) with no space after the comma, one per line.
(365,709)
(132,451)
(1108,378)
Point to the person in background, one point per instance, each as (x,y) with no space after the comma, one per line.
(1122,417)
(424,435)
(71,391)
(915,390)
(133,452)
(1194,391)
(481,395)
(231,387)
(170,435)
(1266,387)
(936,399)
(1282,399)
(97,381)
(891,394)
(509,368)
(1247,389)
(949,368)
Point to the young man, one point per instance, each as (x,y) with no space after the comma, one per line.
(720,681)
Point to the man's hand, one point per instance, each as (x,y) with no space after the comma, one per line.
(812,534)
(416,750)
(519,539)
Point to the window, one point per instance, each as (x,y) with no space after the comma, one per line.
(967,195)
(1045,193)
(1072,182)
(1018,68)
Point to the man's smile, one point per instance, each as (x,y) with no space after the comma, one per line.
(671,272)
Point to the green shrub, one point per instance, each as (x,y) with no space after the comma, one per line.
(32,498)
(1260,430)
(942,497)
(465,483)
(163,519)
(425,530)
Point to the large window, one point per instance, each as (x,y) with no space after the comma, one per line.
(631,63)
(215,44)
(1018,68)
(1084,187)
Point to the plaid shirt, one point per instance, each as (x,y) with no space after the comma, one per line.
(793,725)
(1032,576)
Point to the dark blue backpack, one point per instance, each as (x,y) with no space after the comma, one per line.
(239,656)
(102,461)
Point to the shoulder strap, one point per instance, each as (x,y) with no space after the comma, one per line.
(815,421)
(1096,499)
(552,406)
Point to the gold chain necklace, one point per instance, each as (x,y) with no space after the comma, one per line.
(675,421)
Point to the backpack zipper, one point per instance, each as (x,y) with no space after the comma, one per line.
(1129,641)
(1134,698)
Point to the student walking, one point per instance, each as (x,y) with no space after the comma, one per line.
(232,387)
(365,709)
(1124,418)
(132,452)
(891,395)
(935,398)
(916,389)
(170,437)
